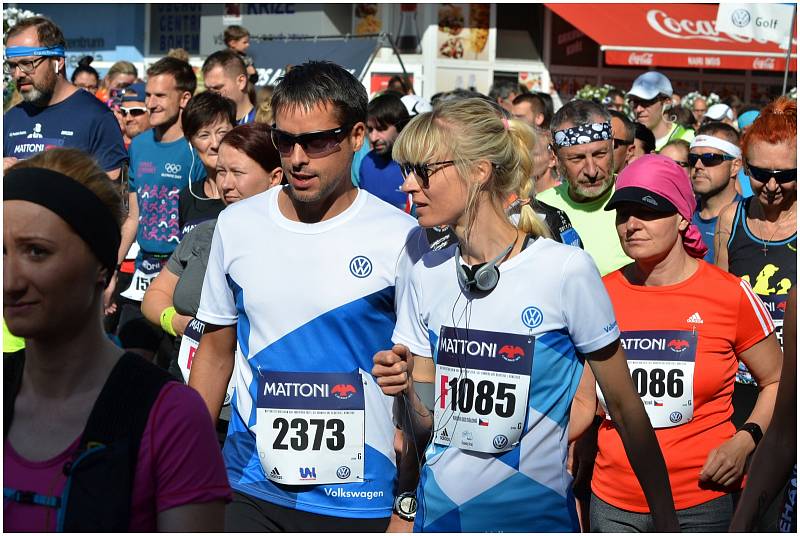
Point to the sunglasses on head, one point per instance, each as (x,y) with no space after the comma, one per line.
(421,171)
(135,111)
(315,144)
(708,159)
(781,176)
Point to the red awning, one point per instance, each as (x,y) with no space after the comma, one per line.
(671,35)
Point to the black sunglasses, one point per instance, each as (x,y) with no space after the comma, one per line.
(634,102)
(315,144)
(682,163)
(709,159)
(421,171)
(781,176)
(618,142)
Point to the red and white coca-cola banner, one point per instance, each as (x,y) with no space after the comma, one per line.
(671,35)
(697,61)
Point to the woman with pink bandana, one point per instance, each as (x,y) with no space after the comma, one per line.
(684,324)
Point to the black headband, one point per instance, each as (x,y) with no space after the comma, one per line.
(72,202)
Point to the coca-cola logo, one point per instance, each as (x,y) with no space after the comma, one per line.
(667,26)
(644,58)
(764,63)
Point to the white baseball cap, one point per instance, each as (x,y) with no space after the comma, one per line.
(718,112)
(416,105)
(651,84)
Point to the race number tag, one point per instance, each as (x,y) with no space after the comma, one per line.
(149,269)
(310,427)
(189,343)
(482,382)
(662,368)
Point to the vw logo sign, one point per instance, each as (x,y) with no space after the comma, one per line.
(360,266)
(500,441)
(172,168)
(676,416)
(532,317)
(740,18)
(343,472)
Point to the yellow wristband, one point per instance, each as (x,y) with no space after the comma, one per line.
(166,320)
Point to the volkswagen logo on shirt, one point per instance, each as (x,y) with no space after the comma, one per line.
(740,18)
(172,168)
(360,266)
(500,441)
(532,317)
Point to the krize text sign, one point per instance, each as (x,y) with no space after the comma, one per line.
(482,383)
(310,427)
(662,368)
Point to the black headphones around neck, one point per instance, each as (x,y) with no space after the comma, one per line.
(482,277)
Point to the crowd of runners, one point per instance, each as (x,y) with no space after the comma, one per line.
(295,309)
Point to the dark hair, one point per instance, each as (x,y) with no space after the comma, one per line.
(536,102)
(720,130)
(579,112)
(549,109)
(388,110)
(626,122)
(84,66)
(614,93)
(255,142)
(681,115)
(318,82)
(229,60)
(47,32)
(645,136)
(502,88)
(185,79)
(401,81)
(234,33)
(204,109)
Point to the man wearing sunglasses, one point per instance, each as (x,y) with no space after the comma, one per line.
(624,132)
(310,273)
(714,161)
(134,111)
(53,113)
(650,94)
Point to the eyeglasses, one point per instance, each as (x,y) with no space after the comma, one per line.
(421,171)
(315,144)
(26,66)
(135,111)
(781,176)
(618,142)
(643,103)
(682,163)
(708,159)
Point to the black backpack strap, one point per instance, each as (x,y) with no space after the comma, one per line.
(13,365)
(97,497)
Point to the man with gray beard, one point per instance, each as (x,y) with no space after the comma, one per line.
(53,112)
(583,142)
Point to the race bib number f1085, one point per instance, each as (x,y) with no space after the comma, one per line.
(482,382)
(310,427)
(661,363)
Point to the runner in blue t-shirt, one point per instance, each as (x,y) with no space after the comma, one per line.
(54,113)
(714,161)
(162,162)
(379,174)
(310,446)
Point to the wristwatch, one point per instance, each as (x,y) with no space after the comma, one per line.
(405,505)
(753,429)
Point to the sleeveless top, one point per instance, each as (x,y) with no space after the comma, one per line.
(769,266)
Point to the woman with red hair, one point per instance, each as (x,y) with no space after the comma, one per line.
(756,239)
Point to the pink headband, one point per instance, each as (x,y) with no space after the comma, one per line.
(662,176)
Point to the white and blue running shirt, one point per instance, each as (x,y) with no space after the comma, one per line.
(486,470)
(313,303)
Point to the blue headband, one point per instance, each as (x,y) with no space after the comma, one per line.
(16,52)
